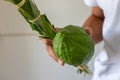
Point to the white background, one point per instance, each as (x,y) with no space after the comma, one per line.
(23,55)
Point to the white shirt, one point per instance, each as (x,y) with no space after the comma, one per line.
(107,63)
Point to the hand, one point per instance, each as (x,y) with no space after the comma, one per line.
(49,48)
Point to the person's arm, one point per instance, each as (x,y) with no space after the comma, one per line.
(94,24)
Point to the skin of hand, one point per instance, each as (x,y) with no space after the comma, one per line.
(49,48)
(93,25)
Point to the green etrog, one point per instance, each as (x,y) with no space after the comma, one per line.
(74,46)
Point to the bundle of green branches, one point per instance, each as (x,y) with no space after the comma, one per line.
(38,22)
(71,44)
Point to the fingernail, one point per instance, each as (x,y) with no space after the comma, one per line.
(60,62)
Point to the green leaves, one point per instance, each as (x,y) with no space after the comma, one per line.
(72,44)
(14,1)
(38,22)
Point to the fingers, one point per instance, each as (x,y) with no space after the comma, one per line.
(52,54)
(58,29)
(49,48)
(89,30)
(47,41)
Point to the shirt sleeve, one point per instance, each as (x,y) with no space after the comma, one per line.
(91,3)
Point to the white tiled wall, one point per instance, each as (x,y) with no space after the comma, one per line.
(23,55)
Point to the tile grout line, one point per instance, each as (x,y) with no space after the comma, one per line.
(18,34)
